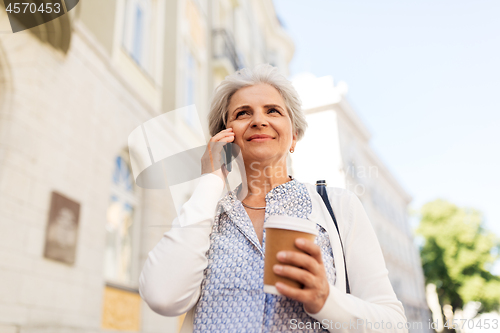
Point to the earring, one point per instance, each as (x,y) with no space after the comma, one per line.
(291,150)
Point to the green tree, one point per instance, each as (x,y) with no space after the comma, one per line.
(457,254)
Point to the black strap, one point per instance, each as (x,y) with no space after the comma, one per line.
(321,188)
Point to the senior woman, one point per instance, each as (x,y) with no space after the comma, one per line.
(213,270)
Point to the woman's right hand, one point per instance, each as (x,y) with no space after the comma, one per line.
(211,159)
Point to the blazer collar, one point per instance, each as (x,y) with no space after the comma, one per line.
(321,216)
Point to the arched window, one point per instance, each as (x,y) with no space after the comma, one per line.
(121,227)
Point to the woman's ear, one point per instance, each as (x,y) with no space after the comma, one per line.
(294,140)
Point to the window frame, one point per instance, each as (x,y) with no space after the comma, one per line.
(145,61)
(134,198)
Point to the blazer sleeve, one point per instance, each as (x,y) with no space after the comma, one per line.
(170,281)
(372,305)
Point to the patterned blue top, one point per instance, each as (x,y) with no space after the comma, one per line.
(232,292)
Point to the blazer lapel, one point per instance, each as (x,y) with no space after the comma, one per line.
(321,216)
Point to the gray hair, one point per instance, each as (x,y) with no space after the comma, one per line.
(245,77)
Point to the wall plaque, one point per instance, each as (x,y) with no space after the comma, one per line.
(62,229)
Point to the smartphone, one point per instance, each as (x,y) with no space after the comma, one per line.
(228,152)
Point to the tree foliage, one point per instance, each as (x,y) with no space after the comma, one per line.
(457,253)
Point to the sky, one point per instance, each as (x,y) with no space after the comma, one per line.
(424,76)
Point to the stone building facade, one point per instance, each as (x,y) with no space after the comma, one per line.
(70,94)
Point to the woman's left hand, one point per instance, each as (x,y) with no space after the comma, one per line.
(308,269)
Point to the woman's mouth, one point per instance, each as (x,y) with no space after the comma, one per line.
(261,139)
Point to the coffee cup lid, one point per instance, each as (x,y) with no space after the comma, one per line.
(291,223)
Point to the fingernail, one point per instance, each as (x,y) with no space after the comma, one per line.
(300,241)
(280,285)
(278,268)
(281,255)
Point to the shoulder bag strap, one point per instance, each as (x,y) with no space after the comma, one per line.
(321,188)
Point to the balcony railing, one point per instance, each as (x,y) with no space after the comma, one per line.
(224,47)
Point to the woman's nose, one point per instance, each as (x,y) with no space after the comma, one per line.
(258,119)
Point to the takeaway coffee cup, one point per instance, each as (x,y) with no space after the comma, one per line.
(281,232)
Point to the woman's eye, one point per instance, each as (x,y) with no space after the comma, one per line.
(246,112)
(241,112)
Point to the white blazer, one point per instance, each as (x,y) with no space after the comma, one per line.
(170,282)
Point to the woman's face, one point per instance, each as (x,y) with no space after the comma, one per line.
(260,110)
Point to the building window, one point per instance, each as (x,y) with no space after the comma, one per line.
(120,227)
(138,34)
(136,30)
(191,80)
